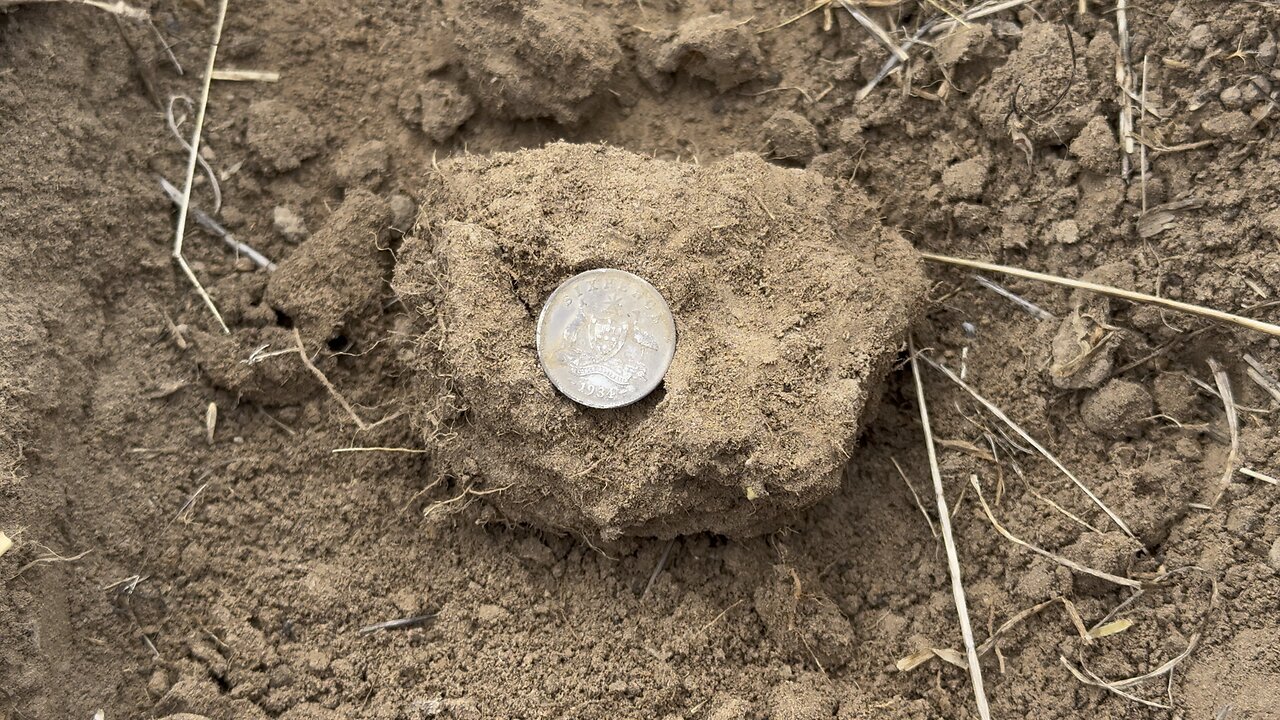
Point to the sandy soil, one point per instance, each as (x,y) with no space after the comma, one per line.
(168,561)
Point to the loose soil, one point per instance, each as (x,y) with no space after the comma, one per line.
(172,559)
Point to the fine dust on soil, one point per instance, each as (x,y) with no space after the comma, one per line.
(228,571)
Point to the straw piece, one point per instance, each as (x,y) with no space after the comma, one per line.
(1034,443)
(1066,562)
(1109,291)
(948,540)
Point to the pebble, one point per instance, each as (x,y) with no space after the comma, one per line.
(965,180)
(439,107)
(490,615)
(1232,98)
(1066,232)
(1273,557)
(1200,37)
(791,136)
(1234,125)
(403,209)
(289,224)
(363,165)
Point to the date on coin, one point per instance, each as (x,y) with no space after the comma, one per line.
(605,338)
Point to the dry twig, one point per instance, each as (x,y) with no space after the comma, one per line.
(1032,308)
(213,226)
(397,624)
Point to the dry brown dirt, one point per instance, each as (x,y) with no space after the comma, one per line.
(160,567)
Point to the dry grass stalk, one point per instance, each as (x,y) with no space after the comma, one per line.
(1109,291)
(920,657)
(120,8)
(717,618)
(1065,512)
(1115,627)
(1142,149)
(268,76)
(948,541)
(873,27)
(49,558)
(302,353)
(1034,443)
(1233,424)
(826,5)
(378,449)
(1214,392)
(192,159)
(933,29)
(657,569)
(1263,379)
(1086,676)
(1124,80)
(933,530)
(171,120)
(1032,308)
(1065,562)
(1259,476)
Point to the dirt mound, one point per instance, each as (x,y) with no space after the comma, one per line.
(790,300)
(535,59)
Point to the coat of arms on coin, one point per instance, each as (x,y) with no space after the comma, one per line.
(605,338)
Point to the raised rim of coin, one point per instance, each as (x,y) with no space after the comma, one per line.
(659,370)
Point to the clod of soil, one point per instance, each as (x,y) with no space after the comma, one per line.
(438,107)
(718,48)
(540,59)
(1117,409)
(790,301)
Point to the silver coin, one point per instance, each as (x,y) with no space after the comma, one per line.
(606,338)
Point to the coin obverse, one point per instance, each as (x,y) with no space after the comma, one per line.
(605,338)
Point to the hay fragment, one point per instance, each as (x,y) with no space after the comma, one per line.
(268,76)
(1114,627)
(1233,424)
(1034,443)
(1065,562)
(948,540)
(118,8)
(1109,291)
(192,160)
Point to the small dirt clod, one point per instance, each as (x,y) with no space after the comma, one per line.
(1117,409)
